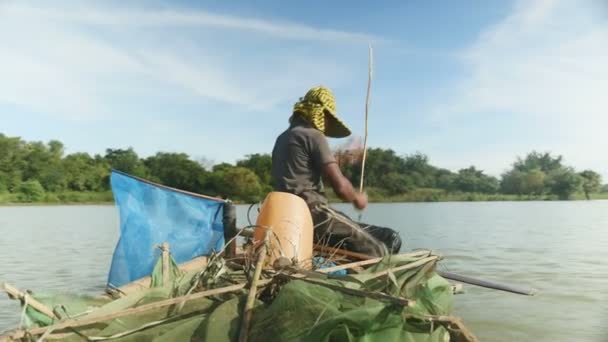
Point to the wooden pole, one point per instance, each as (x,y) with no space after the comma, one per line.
(369,86)
(368,262)
(144,283)
(408,266)
(248,310)
(13,292)
(341,252)
(86,320)
(165,255)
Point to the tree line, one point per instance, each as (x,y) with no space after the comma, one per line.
(536,175)
(33,171)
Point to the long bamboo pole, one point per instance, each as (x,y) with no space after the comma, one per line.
(369,87)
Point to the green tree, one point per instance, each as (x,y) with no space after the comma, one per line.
(126,161)
(512,182)
(12,152)
(538,161)
(379,163)
(261,165)
(206,163)
(11,180)
(222,167)
(529,176)
(417,167)
(473,180)
(56,149)
(236,183)
(53,178)
(395,183)
(177,170)
(444,179)
(533,182)
(563,182)
(85,173)
(103,171)
(541,161)
(592,182)
(43,163)
(215,184)
(30,191)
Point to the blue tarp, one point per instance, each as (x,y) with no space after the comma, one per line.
(151,215)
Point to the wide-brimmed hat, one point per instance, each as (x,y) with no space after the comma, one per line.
(319,103)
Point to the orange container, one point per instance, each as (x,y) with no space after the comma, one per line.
(289,219)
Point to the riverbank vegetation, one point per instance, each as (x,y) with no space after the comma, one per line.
(36,172)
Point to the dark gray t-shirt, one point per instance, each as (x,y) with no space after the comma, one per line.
(297,162)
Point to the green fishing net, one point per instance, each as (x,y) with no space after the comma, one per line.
(289,310)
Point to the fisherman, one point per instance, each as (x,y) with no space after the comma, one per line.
(301,158)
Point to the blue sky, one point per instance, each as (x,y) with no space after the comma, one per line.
(466,82)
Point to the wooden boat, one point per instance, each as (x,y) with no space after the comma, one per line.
(259,290)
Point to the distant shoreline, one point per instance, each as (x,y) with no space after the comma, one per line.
(416,196)
(438,195)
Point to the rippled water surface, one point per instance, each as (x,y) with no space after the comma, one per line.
(559,248)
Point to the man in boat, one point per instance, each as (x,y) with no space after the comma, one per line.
(301,158)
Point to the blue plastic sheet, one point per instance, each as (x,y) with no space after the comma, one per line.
(151,215)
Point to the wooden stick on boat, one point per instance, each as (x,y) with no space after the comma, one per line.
(248,310)
(165,254)
(91,319)
(432,258)
(144,282)
(13,292)
(369,262)
(447,275)
(342,252)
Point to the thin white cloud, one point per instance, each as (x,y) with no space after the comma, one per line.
(80,63)
(48,69)
(544,66)
(99,15)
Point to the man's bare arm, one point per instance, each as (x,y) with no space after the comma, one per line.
(343,187)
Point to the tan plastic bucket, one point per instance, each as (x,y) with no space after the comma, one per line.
(289,219)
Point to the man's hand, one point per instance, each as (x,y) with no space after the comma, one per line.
(360,201)
(342,186)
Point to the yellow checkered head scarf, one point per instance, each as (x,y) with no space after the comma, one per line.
(319,103)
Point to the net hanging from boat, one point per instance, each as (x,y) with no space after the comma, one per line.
(151,214)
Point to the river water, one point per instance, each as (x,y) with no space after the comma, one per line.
(559,248)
